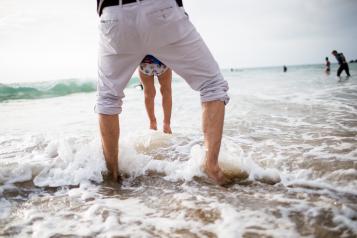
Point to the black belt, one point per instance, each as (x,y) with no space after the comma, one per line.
(109,3)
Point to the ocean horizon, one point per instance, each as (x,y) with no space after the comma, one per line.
(33,89)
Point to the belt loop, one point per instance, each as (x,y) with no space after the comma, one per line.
(121,3)
(138,1)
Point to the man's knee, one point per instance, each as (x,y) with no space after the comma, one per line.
(214,90)
(108,105)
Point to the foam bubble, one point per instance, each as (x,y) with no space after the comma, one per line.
(75,163)
(71,161)
(347,217)
(231,159)
(5,208)
(135,164)
(150,140)
(14,173)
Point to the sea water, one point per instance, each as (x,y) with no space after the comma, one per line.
(294,136)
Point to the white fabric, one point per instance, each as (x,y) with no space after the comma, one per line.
(156,27)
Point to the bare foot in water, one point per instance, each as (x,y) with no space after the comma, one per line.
(112,177)
(153,125)
(216,175)
(167,128)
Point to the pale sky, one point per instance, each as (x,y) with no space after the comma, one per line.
(56,39)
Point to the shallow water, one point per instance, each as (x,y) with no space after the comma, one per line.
(299,128)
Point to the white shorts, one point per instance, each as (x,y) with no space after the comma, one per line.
(152,27)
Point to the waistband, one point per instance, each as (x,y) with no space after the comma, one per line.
(101,4)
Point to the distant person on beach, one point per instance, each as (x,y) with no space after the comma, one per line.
(131,29)
(285,69)
(342,62)
(327,65)
(148,69)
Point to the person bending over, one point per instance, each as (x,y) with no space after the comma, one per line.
(342,62)
(149,68)
(131,29)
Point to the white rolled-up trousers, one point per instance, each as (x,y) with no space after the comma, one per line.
(156,27)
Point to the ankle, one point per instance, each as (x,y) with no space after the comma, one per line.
(212,166)
(153,125)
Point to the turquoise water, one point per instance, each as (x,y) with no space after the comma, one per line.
(65,87)
(49,89)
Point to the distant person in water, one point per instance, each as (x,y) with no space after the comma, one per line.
(327,66)
(342,62)
(285,69)
(148,69)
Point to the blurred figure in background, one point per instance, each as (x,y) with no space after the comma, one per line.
(342,62)
(327,66)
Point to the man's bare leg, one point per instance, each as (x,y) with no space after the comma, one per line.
(212,121)
(109,128)
(166,92)
(149,93)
